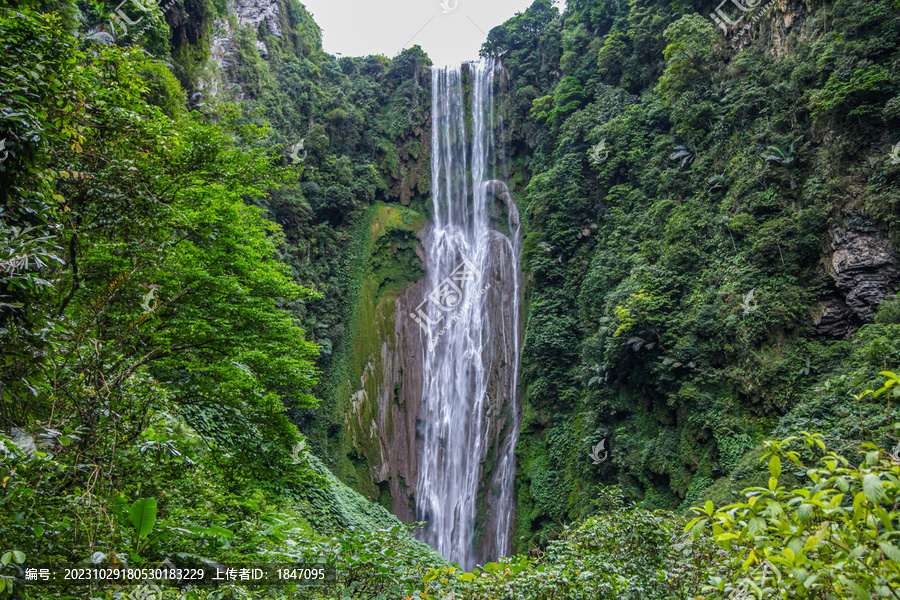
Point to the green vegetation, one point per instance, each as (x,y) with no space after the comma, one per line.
(675,282)
(151,337)
(186,311)
(362,122)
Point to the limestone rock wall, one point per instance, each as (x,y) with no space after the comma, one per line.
(246,12)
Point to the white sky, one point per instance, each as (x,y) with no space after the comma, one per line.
(451,36)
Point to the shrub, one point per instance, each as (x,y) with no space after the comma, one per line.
(835,536)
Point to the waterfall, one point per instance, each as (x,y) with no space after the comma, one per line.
(469,319)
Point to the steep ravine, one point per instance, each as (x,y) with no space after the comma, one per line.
(637,324)
(462,358)
(260,304)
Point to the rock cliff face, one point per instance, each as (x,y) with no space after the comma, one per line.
(384,408)
(379,394)
(863,267)
(246,12)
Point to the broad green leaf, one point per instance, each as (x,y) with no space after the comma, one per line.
(19,556)
(885,518)
(872,458)
(775,466)
(757,525)
(143,516)
(891,551)
(859,591)
(692,522)
(873,488)
(697,529)
(221,532)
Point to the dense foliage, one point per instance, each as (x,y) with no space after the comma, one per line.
(179,279)
(150,335)
(362,126)
(683,190)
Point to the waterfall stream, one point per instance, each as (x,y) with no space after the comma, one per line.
(468,420)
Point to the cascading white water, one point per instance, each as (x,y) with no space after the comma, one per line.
(470,323)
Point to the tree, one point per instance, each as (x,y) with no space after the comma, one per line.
(689,55)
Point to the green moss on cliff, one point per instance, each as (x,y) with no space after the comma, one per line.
(383,263)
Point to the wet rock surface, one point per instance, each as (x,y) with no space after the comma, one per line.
(399,398)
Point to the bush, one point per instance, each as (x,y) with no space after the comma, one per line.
(835,536)
(888,312)
(625,552)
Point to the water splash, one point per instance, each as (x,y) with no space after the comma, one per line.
(469,411)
